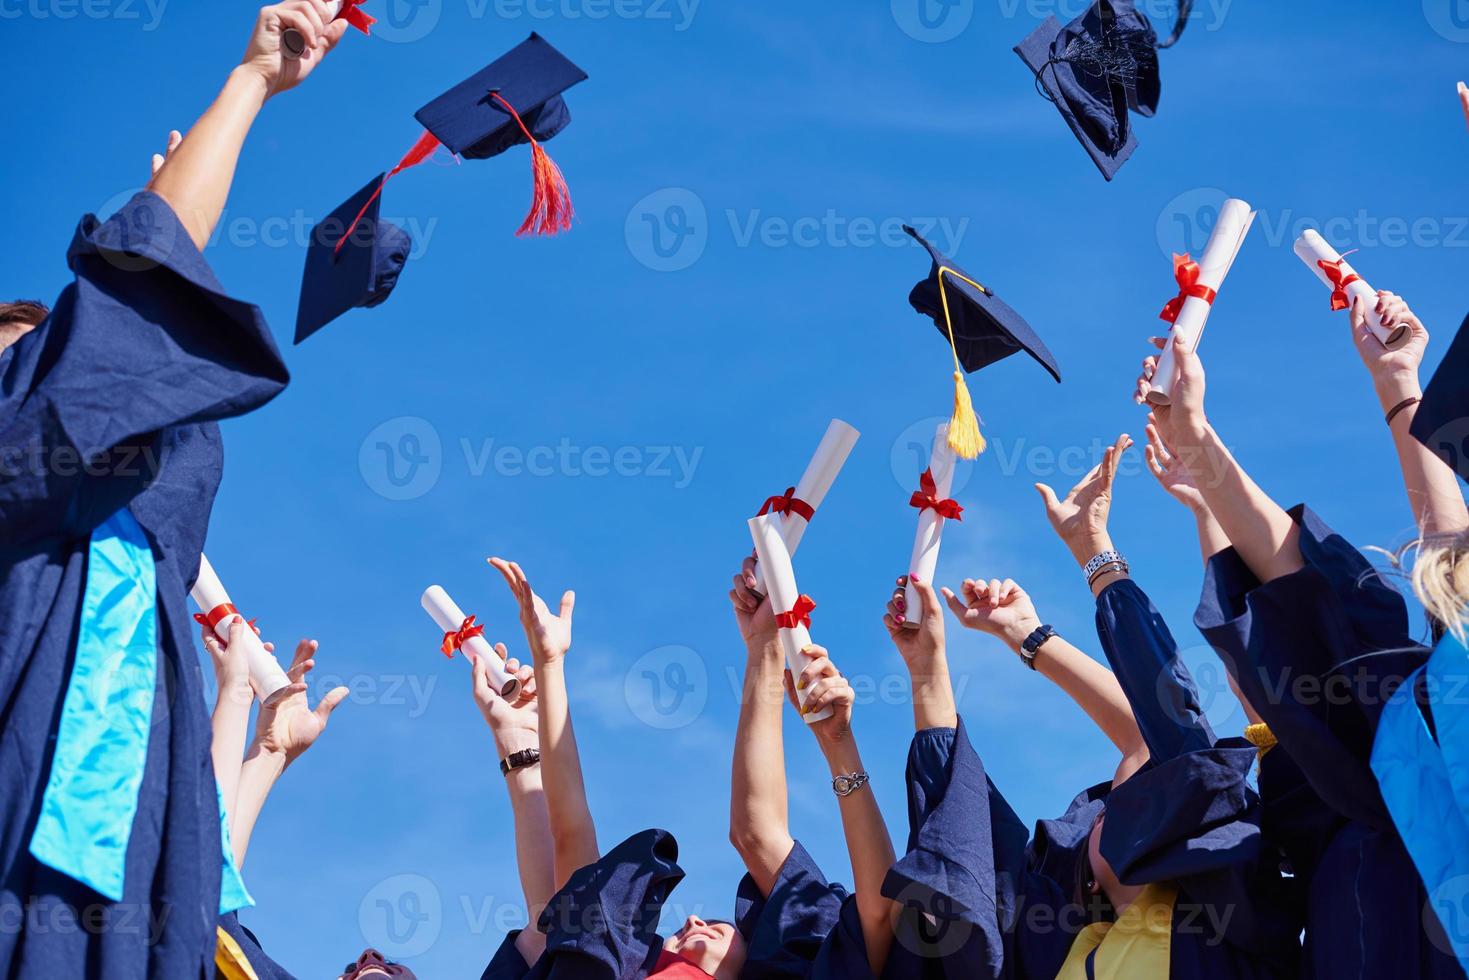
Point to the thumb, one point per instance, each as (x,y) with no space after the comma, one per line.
(329,704)
(568,604)
(928,599)
(1048,496)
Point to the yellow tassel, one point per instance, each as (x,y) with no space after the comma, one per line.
(964,436)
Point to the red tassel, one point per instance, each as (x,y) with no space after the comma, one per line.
(420,151)
(550,208)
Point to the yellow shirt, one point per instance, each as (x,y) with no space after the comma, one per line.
(1135,947)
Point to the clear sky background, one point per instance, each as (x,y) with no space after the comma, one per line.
(609,406)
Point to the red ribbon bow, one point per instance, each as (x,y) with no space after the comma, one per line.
(926,498)
(454,639)
(1186,272)
(787,503)
(1339,282)
(219,614)
(800,615)
(358,19)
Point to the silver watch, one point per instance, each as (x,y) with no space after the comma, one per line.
(848,784)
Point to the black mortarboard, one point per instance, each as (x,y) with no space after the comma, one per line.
(1096,68)
(348,269)
(530,78)
(1442,420)
(981,329)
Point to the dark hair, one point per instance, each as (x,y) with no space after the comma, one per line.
(28,311)
(1094,908)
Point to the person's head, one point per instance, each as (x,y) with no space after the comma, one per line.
(1441,580)
(372,964)
(19,318)
(713,946)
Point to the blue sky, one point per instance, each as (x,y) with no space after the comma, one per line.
(608,407)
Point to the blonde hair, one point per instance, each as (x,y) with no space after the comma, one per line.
(1440,578)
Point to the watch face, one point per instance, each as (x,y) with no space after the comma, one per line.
(842,784)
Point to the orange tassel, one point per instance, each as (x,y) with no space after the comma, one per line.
(550,207)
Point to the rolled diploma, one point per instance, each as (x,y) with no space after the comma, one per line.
(831,455)
(447,614)
(925,560)
(293,44)
(1229,234)
(265,670)
(770,546)
(1312,249)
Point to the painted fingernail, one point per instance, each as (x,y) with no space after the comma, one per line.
(902,605)
(913,577)
(900,619)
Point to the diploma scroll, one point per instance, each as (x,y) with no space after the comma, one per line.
(785,599)
(1347,287)
(1192,312)
(831,455)
(460,634)
(293,44)
(931,520)
(218,612)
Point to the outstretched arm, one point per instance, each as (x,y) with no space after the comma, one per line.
(759,822)
(515,726)
(195,180)
(869,847)
(573,832)
(230,721)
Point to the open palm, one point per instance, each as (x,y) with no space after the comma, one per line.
(289,725)
(549,635)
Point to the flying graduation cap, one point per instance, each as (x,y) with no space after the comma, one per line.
(1442,420)
(981,329)
(514,100)
(1097,68)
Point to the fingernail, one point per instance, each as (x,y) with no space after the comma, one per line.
(800,685)
(900,619)
(806,648)
(913,577)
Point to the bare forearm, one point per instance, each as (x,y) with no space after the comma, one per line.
(1094,689)
(534,848)
(933,694)
(1261,531)
(1433,489)
(257,778)
(870,849)
(759,823)
(196,179)
(573,832)
(230,727)
(1212,538)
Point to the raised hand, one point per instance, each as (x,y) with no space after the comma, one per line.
(264,55)
(1394,372)
(752,612)
(289,726)
(1001,609)
(231,668)
(549,635)
(1169,471)
(1464,100)
(825,687)
(515,724)
(159,159)
(1080,519)
(920,639)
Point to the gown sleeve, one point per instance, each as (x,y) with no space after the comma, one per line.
(1048,914)
(956,883)
(806,926)
(144,338)
(507,963)
(603,924)
(1317,652)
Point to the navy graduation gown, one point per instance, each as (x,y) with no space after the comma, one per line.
(805,927)
(956,916)
(507,963)
(1189,816)
(265,968)
(142,354)
(1318,653)
(603,925)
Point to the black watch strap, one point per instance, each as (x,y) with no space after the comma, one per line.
(1033,643)
(519,760)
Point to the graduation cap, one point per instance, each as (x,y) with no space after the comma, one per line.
(1442,420)
(345,269)
(981,329)
(515,99)
(1097,68)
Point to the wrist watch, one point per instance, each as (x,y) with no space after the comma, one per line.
(519,760)
(849,784)
(1033,643)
